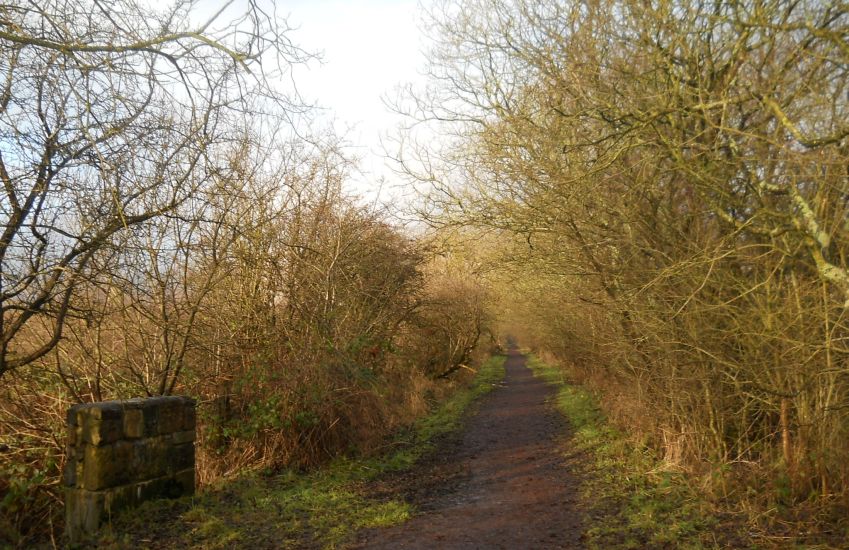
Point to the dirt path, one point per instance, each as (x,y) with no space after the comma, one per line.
(501,483)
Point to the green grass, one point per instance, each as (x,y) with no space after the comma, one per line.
(634,501)
(291,509)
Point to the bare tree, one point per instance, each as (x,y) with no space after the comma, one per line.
(109,118)
(675,172)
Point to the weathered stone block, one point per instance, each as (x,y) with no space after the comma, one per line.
(186,436)
(69,474)
(83,511)
(149,410)
(170,417)
(133,423)
(71,416)
(121,453)
(151,420)
(189,416)
(186,481)
(181,457)
(150,459)
(98,425)
(107,466)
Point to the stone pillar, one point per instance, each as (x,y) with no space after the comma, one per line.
(121,453)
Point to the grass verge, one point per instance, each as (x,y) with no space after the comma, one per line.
(631,498)
(291,510)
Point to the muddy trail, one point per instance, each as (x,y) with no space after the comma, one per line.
(501,482)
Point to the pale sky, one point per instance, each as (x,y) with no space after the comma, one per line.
(369,48)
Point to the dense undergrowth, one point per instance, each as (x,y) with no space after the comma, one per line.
(635,498)
(632,498)
(289,370)
(293,509)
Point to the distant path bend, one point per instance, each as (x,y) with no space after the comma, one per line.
(501,483)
